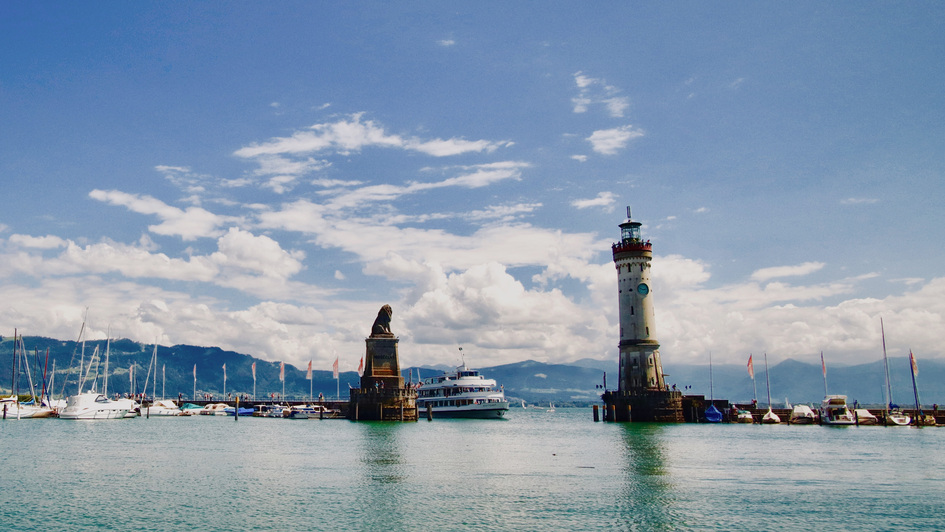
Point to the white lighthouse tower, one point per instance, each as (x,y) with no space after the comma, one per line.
(640,366)
(642,394)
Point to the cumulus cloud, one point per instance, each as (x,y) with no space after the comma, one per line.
(610,141)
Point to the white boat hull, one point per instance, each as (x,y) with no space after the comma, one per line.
(94,406)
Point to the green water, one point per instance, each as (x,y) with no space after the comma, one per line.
(534,471)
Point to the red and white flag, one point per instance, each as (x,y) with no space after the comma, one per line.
(915,368)
(334,368)
(224,372)
(823,366)
(195,372)
(254,371)
(282,371)
(361,367)
(308,374)
(751,368)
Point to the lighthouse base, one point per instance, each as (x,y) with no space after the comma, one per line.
(643,405)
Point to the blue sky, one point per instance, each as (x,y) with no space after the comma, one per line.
(264,176)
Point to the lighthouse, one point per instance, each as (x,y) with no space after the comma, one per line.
(640,367)
(642,394)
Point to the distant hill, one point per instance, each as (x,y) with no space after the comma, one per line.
(534,382)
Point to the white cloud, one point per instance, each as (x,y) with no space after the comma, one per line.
(603,199)
(610,141)
(858,201)
(347,136)
(806,268)
(593,91)
(38,242)
(190,224)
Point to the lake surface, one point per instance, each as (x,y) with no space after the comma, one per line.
(536,470)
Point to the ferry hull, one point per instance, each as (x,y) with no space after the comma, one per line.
(479,413)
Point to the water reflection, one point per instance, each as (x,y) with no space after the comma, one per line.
(384,474)
(647,499)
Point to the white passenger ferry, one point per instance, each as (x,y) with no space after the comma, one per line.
(462,393)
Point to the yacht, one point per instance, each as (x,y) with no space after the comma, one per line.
(462,393)
(834,411)
(92,405)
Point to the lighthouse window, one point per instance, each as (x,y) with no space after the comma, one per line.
(631,311)
(647,331)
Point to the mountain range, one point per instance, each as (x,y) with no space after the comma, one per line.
(578,383)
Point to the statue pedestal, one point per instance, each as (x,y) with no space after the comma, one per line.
(382,396)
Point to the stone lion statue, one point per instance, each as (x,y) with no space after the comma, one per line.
(382,323)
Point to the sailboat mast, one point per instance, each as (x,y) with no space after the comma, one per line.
(108,345)
(915,390)
(889,398)
(767,382)
(711,393)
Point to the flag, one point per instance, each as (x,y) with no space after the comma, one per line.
(224,372)
(334,368)
(751,368)
(308,374)
(361,367)
(254,371)
(282,371)
(915,368)
(195,372)
(823,366)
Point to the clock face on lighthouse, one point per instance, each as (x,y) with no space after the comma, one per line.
(643,289)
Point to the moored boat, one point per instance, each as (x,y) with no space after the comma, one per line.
(834,411)
(744,416)
(801,415)
(770,418)
(92,405)
(865,417)
(310,412)
(462,393)
(214,409)
(13,408)
(164,407)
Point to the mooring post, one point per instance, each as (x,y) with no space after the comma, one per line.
(429,411)
(596,415)
(236,411)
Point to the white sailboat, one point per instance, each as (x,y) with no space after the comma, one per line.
(770,418)
(892,414)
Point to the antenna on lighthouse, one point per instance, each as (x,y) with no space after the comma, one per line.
(628,213)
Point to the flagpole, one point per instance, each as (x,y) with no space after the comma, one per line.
(195,382)
(254,381)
